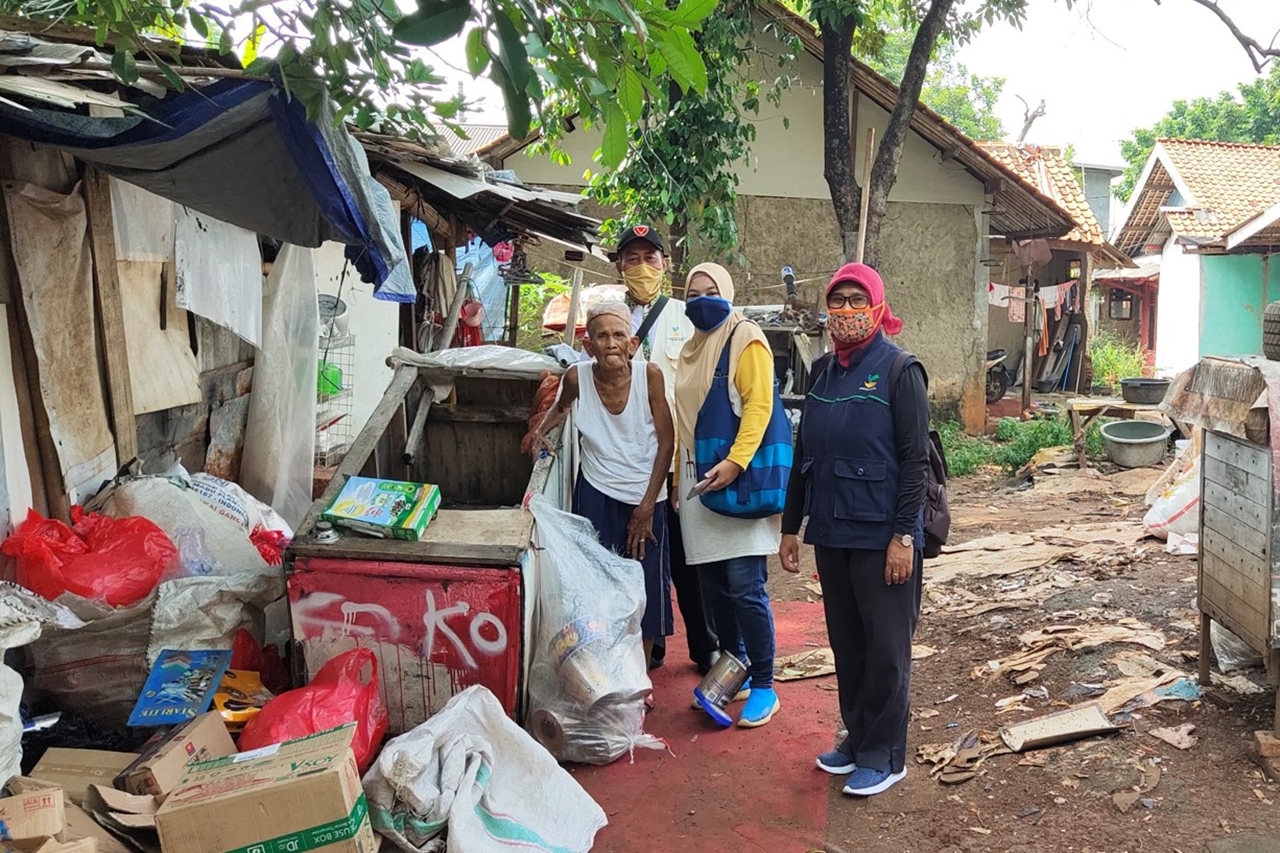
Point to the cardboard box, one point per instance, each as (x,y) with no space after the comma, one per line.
(76,769)
(82,826)
(129,817)
(387,508)
(32,814)
(304,795)
(164,759)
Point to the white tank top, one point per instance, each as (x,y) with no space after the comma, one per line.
(617,450)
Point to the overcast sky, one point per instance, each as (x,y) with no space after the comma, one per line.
(1103,67)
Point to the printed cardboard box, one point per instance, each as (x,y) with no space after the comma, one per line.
(32,814)
(76,769)
(304,795)
(387,508)
(164,759)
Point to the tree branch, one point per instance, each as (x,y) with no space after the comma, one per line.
(1257,53)
(885,172)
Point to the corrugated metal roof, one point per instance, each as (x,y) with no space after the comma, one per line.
(478,136)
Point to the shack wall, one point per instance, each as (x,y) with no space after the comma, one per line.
(1235,293)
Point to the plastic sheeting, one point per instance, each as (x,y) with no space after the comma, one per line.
(219,273)
(490,288)
(279,445)
(469,777)
(143,223)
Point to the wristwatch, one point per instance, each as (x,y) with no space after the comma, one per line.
(907,540)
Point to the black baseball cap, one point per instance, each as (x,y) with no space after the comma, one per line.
(640,232)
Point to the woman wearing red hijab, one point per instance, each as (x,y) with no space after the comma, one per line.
(862,460)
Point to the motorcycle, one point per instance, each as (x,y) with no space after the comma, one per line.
(998,379)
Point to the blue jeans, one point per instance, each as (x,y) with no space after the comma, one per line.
(735,594)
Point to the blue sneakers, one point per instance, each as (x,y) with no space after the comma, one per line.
(836,763)
(761,705)
(866,782)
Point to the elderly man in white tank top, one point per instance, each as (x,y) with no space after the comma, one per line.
(627,443)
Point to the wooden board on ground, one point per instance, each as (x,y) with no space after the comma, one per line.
(455,537)
(1059,727)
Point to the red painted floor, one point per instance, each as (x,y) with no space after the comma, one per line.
(754,788)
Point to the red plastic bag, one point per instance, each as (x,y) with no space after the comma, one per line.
(116,560)
(339,694)
(249,656)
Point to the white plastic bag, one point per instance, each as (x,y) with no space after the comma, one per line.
(589,677)
(1231,652)
(1176,508)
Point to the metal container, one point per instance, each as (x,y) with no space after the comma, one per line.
(1135,444)
(1148,392)
(720,685)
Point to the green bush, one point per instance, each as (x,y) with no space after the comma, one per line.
(1016,443)
(1115,359)
(533,301)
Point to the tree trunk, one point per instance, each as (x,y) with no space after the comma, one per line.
(837,134)
(885,172)
(679,247)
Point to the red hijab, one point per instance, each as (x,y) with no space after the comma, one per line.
(869,280)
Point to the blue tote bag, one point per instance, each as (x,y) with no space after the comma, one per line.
(761,490)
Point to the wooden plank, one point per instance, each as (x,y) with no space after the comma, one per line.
(1237,480)
(482,414)
(1239,544)
(1242,584)
(106,277)
(1256,515)
(397,432)
(1234,612)
(575,297)
(1237,614)
(362,448)
(456,537)
(26,413)
(157,339)
(1206,648)
(1247,457)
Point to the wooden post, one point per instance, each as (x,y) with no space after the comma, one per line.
(868,161)
(513,316)
(414,438)
(575,296)
(106,276)
(1029,332)
(1206,651)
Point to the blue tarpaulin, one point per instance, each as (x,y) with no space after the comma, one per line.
(243,152)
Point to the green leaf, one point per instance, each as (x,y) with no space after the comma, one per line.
(251,46)
(614,10)
(200,24)
(477,52)
(631,93)
(614,148)
(683,60)
(519,112)
(691,13)
(169,74)
(125,67)
(434,22)
(511,51)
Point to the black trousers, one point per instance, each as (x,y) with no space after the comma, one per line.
(699,631)
(870,625)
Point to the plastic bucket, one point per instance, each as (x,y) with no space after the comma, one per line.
(1135,444)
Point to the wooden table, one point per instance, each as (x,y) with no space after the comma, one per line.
(1083,411)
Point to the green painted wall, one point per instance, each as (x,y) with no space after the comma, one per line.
(1235,290)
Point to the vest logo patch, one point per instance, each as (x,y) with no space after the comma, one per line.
(871,382)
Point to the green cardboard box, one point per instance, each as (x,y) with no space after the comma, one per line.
(386,508)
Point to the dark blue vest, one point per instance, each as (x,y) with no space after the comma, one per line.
(850,455)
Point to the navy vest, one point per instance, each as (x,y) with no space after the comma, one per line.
(850,460)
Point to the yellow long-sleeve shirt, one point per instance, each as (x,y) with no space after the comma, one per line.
(754,381)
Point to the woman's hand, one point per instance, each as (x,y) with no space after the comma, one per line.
(722,475)
(789,552)
(899,562)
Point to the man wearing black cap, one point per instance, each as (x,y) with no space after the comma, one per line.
(662,327)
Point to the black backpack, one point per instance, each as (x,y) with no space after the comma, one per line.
(937,508)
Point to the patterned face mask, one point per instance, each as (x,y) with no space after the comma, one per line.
(854,325)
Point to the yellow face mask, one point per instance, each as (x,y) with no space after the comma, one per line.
(643,283)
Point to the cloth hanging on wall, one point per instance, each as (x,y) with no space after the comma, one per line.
(57,294)
(219,273)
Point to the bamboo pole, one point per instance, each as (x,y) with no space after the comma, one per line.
(575,297)
(868,160)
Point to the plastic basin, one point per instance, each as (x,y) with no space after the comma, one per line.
(1148,392)
(1135,444)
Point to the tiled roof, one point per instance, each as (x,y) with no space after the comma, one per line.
(1048,171)
(1217,186)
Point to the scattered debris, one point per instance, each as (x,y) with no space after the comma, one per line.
(814,587)
(1179,737)
(1239,683)
(811,664)
(1059,727)
(959,761)
(920,652)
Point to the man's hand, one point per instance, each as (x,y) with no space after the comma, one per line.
(789,552)
(899,562)
(640,531)
(540,444)
(722,475)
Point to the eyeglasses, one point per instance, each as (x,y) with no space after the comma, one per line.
(855,300)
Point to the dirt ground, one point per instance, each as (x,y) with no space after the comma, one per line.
(1209,797)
